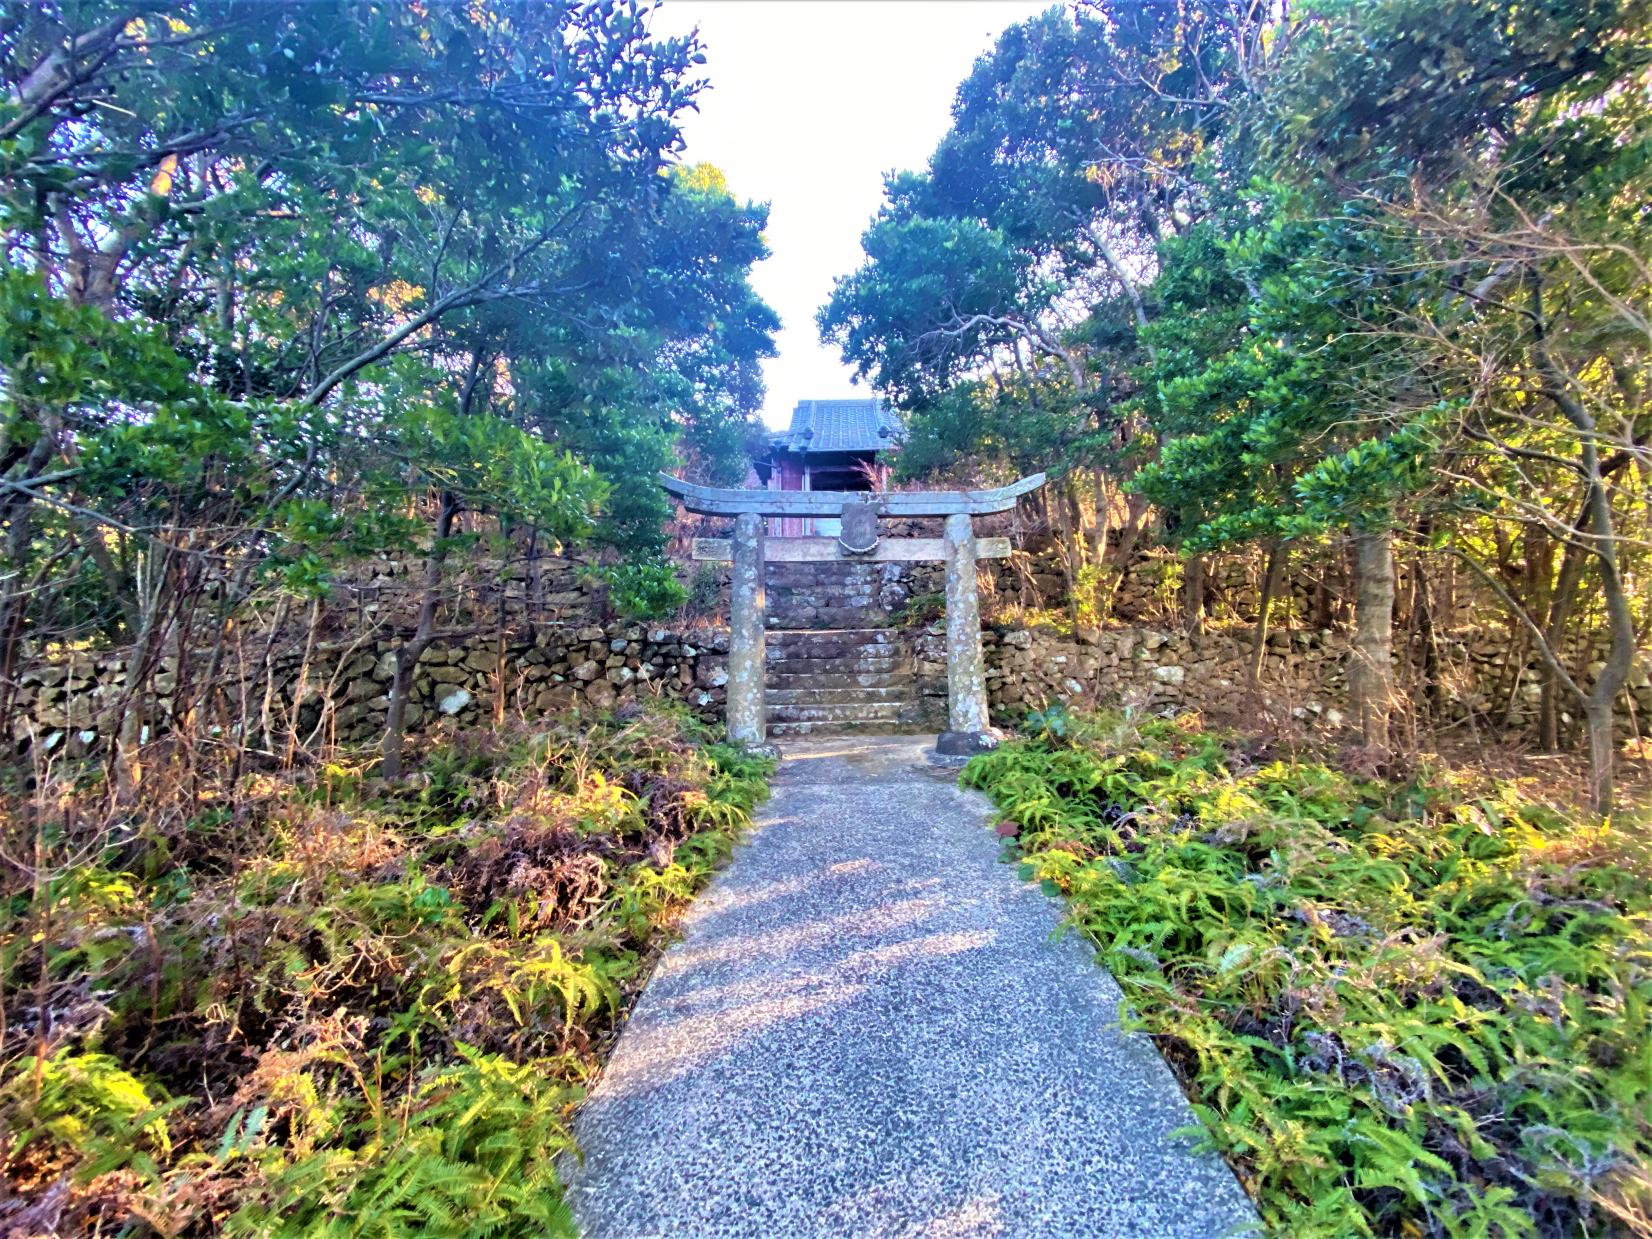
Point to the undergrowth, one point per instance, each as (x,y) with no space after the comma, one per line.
(1401,1008)
(315,1006)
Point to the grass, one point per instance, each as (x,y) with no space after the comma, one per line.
(1402,1008)
(309,1005)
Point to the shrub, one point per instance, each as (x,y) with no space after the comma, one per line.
(644,589)
(921,609)
(313,1006)
(705,591)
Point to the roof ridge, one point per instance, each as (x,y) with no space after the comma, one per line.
(840,424)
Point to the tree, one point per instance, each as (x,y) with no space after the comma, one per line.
(1279,420)
(1506,172)
(335,220)
(1025,256)
(1370,272)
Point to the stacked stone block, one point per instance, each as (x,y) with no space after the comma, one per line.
(844,594)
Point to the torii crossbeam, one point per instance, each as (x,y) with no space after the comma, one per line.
(969,729)
(716,501)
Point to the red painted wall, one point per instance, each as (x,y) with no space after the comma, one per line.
(791,478)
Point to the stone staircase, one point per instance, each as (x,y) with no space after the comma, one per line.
(841,680)
(836,660)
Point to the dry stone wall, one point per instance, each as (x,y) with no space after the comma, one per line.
(341,691)
(345,685)
(567,588)
(558,653)
(1304,675)
(1166,671)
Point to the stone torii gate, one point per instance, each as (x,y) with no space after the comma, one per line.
(968,727)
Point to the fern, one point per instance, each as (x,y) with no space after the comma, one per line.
(1379,994)
(386,1007)
(90,1103)
(477,1157)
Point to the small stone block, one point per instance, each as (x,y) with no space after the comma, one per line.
(965,743)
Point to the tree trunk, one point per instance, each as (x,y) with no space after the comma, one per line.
(411,650)
(301,683)
(1597,717)
(1561,604)
(499,652)
(1272,578)
(1603,544)
(1429,640)
(1136,510)
(1620,655)
(1371,672)
(1075,524)
(147,614)
(16,515)
(1071,556)
(132,707)
(1322,600)
(1193,595)
(1104,503)
(536,584)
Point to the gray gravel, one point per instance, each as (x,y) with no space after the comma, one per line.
(867,1030)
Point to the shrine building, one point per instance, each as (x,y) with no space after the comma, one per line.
(832,445)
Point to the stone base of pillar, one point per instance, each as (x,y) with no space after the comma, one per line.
(967,743)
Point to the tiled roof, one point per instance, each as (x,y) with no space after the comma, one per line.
(840,426)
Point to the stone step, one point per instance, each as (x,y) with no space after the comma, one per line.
(852,633)
(892,677)
(779,599)
(844,589)
(854,712)
(792,651)
(814,668)
(823,592)
(851,612)
(825,575)
(833,642)
(824,694)
(871,727)
(823,620)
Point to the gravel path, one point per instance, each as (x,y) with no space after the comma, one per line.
(868,1031)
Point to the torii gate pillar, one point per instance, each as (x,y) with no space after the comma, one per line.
(747,715)
(968,728)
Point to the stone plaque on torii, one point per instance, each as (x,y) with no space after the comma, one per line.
(968,727)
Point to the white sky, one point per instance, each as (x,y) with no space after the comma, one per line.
(810,103)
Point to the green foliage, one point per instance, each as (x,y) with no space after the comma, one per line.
(89,1102)
(1321,273)
(474,1155)
(993,430)
(1375,85)
(884,316)
(1401,1008)
(1052,722)
(645,589)
(355,1009)
(705,591)
(921,609)
(302,259)
(1262,436)
(494,466)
